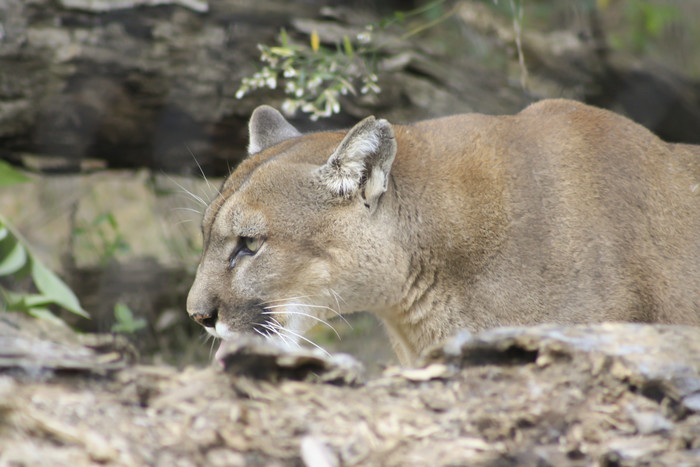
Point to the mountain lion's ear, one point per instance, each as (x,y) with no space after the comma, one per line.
(362,161)
(268,127)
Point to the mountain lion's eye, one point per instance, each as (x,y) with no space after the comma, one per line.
(247,246)
(252,244)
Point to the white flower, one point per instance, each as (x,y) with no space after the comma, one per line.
(370,85)
(314,83)
(289,106)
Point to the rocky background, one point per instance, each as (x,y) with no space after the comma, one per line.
(133,83)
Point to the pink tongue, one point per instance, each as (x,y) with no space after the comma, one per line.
(223,350)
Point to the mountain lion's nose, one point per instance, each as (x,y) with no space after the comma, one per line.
(206,319)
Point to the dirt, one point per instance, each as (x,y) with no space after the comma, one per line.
(613,394)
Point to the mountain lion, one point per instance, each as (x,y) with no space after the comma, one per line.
(563,213)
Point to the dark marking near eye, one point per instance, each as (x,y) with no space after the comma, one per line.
(242,248)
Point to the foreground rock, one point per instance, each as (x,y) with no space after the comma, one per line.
(614,394)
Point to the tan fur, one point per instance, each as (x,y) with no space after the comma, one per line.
(563,213)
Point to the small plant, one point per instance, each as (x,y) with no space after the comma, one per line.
(17,262)
(313,76)
(125,322)
(103,237)
(10,176)
(647,21)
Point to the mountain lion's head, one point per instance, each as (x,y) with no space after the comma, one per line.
(297,234)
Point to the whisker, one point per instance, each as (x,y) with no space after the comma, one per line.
(337,304)
(337,313)
(268,331)
(337,296)
(211,347)
(202,171)
(199,199)
(189,195)
(307,340)
(274,329)
(183,221)
(282,305)
(206,337)
(279,327)
(302,314)
(286,299)
(273,323)
(187,209)
(301,304)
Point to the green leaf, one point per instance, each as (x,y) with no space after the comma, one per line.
(24,302)
(52,287)
(44,313)
(13,261)
(12,256)
(11,297)
(348,46)
(282,51)
(5,301)
(112,220)
(3,232)
(36,300)
(122,313)
(15,301)
(283,37)
(101,219)
(125,321)
(10,176)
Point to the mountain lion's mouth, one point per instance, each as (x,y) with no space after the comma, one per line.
(234,343)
